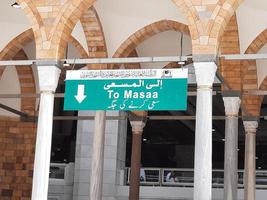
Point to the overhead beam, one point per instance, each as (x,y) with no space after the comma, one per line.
(123,118)
(244,56)
(130,60)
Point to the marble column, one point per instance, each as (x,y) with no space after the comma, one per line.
(48,81)
(250,163)
(205,73)
(137,130)
(232,105)
(96,178)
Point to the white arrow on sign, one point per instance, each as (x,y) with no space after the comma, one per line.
(80,94)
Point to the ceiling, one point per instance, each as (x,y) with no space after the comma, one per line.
(256,4)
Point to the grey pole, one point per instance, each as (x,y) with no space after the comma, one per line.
(232,105)
(96,179)
(250,164)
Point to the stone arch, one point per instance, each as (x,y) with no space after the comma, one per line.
(129,45)
(207,28)
(146,32)
(94,34)
(257,43)
(224,11)
(95,37)
(52,33)
(249,67)
(65,23)
(229,44)
(249,74)
(27,84)
(15,45)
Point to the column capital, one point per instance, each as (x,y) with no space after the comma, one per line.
(205,73)
(231,105)
(137,126)
(250,126)
(48,77)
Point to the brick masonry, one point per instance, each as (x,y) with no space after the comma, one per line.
(95,38)
(17,141)
(229,44)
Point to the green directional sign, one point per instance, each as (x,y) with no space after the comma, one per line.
(126,90)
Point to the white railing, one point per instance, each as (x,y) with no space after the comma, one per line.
(185,177)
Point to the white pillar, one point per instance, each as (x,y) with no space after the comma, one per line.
(205,73)
(250,163)
(48,81)
(231,105)
(96,178)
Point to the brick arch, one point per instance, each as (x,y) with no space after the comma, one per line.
(249,74)
(27,84)
(257,43)
(94,34)
(250,67)
(207,28)
(95,37)
(65,23)
(15,45)
(231,69)
(35,19)
(224,11)
(148,31)
(52,23)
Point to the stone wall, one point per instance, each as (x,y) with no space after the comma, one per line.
(114,156)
